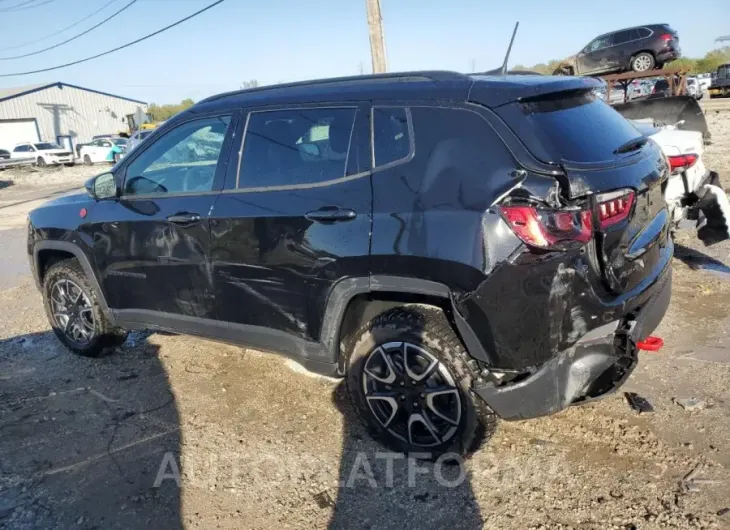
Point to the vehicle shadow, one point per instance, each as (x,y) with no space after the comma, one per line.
(83,440)
(695,259)
(6,184)
(378,488)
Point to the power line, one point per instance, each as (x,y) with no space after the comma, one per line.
(72,38)
(60,30)
(25,5)
(118,47)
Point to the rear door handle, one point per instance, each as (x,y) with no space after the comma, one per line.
(331,214)
(184,218)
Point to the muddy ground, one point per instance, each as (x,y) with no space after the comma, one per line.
(262,444)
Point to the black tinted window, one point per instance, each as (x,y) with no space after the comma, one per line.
(623,37)
(644,32)
(183,160)
(391,137)
(20,149)
(295,147)
(569,123)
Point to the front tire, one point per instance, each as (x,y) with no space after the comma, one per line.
(409,379)
(73,311)
(41,162)
(643,62)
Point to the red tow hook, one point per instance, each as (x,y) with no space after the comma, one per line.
(650,344)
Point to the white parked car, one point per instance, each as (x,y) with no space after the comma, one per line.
(694,88)
(705,80)
(692,192)
(103,150)
(44,153)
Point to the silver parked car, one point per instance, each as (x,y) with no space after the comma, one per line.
(136,138)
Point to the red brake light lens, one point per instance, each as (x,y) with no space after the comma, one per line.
(614,207)
(666,37)
(549,229)
(682,162)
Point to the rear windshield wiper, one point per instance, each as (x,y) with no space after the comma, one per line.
(631,145)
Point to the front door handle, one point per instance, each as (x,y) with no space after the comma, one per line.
(331,214)
(184,218)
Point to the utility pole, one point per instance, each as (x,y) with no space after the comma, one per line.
(377,40)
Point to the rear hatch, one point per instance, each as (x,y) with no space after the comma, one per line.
(670,36)
(608,163)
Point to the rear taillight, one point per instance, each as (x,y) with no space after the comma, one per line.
(614,207)
(666,37)
(549,229)
(680,163)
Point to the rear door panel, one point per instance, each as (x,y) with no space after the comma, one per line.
(274,254)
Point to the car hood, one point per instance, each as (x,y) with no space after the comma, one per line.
(80,197)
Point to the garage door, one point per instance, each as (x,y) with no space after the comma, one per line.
(13,132)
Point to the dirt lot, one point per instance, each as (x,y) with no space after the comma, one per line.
(262,444)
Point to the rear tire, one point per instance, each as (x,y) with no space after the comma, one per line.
(433,412)
(74,313)
(643,62)
(40,162)
(87,160)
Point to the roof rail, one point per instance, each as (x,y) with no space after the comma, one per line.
(425,75)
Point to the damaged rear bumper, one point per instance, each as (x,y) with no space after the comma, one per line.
(595,366)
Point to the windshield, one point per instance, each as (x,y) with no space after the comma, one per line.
(47,145)
(119,141)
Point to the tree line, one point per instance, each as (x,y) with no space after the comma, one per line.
(167,111)
(708,63)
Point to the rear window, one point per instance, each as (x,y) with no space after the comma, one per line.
(571,126)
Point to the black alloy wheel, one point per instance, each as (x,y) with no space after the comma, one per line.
(73,312)
(411,394)
(410,381)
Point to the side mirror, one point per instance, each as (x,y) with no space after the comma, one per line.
(102,187)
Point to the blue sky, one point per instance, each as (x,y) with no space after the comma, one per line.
(288,40)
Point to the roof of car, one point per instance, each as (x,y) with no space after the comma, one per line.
(632,27)
(494,90)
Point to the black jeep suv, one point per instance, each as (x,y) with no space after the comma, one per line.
(457,247)
(641,49)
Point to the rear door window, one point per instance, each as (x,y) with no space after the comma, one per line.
(296,147)
(623,37)
(571,126)
(392,139)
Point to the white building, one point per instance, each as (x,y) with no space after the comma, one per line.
(62,113)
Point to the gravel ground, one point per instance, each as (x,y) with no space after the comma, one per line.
(262,444)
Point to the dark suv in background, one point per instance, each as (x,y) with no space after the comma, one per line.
(457,247)
(641,49)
